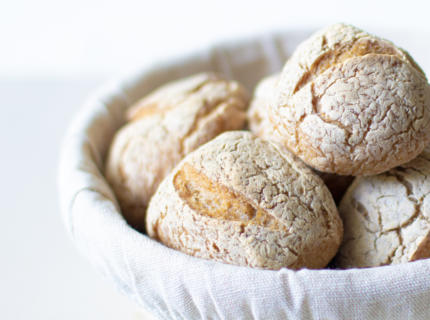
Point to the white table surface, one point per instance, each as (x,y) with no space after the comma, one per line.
(42,275)
(52,55)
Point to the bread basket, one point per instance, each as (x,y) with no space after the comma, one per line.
(172,285)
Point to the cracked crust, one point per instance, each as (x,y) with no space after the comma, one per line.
(239,200)
(259,125)
(165,126)
(352,104)
(387,217)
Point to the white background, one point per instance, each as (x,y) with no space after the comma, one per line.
(52,55)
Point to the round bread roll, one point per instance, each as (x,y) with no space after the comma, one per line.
(351,103)
(259,124)
(239,200)
(387,217)
(264,96)
(165,126)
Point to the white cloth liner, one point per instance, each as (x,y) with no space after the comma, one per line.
(172,285)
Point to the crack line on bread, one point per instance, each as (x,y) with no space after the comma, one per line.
(220,201)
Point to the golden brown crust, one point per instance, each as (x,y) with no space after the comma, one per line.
(387,217)
(352,104)
(216,201)
(170,95)
(166,125)
(239,200)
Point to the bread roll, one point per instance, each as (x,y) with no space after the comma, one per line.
(387,217)
(239,200)
(165,126)
(351,103)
